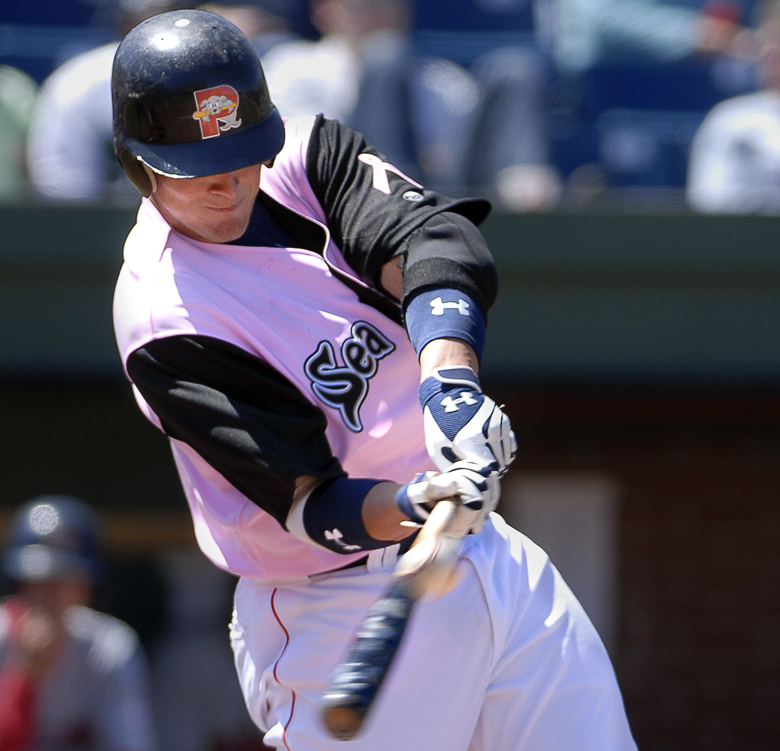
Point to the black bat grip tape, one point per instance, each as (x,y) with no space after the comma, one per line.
(358,677)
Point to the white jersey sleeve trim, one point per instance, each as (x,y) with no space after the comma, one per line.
(294,521)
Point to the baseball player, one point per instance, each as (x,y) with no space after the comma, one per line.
(305,323)
(71,678)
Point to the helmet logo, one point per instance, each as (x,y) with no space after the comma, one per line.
(217,110)
(44,519)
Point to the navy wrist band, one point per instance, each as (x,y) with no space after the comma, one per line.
(441,313)
(333,518)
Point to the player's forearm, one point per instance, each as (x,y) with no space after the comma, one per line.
(347,515)
(381,515)
(379,511)
(443,353)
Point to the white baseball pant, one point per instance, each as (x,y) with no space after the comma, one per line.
(508,661)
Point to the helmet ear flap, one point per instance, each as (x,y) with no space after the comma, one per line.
(136,173)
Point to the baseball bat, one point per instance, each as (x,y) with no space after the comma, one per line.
(427,568)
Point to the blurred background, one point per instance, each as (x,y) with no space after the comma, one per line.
(632,152)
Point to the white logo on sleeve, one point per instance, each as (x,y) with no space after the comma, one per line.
(380,172)
(438,307)
(335,535)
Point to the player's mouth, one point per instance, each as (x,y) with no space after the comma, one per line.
(226,209)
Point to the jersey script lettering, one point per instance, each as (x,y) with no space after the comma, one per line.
(344,387)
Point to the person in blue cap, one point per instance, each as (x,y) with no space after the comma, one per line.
(71,678)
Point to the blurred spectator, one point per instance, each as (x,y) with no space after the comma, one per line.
(71,678)
(267,23)
(509,150)
(734,164)
(435,120)
(197,700)
(581,34)
(71,131)
(364,72)
(70,145)
(618,61)
(17,98)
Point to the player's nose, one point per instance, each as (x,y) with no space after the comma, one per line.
(225,182)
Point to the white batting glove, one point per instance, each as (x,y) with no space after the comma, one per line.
(461,423)
(476,493)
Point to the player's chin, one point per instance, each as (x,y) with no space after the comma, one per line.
(225,229)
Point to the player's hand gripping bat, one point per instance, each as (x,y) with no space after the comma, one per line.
(428,567)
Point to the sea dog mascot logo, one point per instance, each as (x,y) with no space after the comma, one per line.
(217,110)
(345,387)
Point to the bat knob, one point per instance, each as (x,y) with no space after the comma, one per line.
(342,723)
(346,701)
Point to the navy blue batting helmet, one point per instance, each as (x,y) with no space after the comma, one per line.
(190,99)
(51,537)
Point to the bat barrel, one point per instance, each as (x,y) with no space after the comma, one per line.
(428,566)
(358,677)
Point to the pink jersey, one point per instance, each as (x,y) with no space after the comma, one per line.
(284,306)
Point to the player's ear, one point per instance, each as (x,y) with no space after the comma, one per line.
(137,173)
(151,176)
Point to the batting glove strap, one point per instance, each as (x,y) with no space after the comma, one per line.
(446,380)
(475,492)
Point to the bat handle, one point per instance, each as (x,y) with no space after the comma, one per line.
(438,521)
(429,566)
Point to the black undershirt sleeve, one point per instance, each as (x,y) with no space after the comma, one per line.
(429,260)
(244,418)
(435,237)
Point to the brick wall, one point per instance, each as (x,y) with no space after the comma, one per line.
(698,649)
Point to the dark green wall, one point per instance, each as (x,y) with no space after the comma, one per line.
(641,297)
(58,266)
(86,439)
(583,296)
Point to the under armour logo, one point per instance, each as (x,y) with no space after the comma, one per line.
(451,405)
(334,535)
(381,169)
(345,387)
(438,307)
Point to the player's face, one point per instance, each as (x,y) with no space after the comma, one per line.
(56,596)
(213,209)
